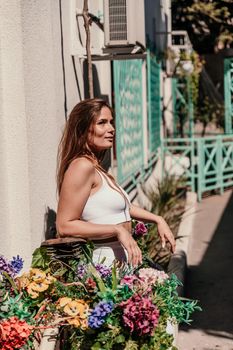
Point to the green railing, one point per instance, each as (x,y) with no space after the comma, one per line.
(127,75)
(154,101)
(228,93)
(182,107)
(206,163)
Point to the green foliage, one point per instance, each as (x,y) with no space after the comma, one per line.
(209,23)
(16,306)
(171,301)
(167,201)
(208,112)
(40,258)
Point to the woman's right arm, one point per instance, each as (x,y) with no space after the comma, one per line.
(75,191)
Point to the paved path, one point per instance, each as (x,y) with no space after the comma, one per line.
(210,276)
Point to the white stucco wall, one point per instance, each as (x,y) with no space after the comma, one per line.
(14,175)
(32,114)
(32,110)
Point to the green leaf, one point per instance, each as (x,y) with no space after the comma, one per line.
(40,258)
(98,278)
(97,346)
(12,282)
(114,278)
(120,339)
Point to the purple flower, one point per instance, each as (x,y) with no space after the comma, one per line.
(140,229)
(81,270)
(103,270)
(17,264)
(99,314)
(5,266)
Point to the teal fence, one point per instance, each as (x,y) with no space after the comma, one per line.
(127,76)
(228,93)
(206,163)
(182,107)
(154,102)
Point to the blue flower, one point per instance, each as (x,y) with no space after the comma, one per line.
(17,264)
(100,312)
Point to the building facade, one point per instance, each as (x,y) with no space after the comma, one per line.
(43,74)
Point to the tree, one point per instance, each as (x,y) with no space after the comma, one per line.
(209,23)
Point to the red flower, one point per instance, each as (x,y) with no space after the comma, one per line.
(90,284)
(140,229)
(140,315)
(14,333)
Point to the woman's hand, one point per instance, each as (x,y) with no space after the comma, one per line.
(126,239)
(165,234)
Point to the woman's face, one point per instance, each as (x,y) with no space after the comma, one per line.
(101,134)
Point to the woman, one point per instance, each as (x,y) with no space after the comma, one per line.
(91,204)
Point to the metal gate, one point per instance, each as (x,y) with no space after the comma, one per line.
(154,102)
(128,100)
(182,107)
(228,93)
(206,163)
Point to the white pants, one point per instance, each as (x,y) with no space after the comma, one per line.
(109,252)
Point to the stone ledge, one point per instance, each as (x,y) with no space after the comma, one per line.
(178,261)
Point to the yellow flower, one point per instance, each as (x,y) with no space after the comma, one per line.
(37,275)
(24,280)
(31,291)
(39,287)
(84,323)
(72,308)
(76,308)
(78,323)
(75,322)
(49,279)
(64,301)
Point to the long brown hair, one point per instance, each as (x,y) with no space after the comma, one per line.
(73,143)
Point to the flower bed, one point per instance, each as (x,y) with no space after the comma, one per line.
(94,306)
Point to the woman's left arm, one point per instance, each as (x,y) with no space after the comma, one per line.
(163,228)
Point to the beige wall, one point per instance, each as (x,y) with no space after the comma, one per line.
(32,114)
(14,172)
(32,110)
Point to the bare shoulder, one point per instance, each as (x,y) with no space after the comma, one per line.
(82,165)
(80,168)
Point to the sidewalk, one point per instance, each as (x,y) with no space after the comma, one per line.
(210,276)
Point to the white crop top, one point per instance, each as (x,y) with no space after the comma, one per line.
(106,206)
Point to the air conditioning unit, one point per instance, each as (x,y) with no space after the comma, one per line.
(124,22)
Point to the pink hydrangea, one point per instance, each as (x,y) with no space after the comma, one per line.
(140,315)
(151,276)
(128,280)
(140,229)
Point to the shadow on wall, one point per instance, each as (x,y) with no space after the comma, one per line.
(97,92)
(50,224)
